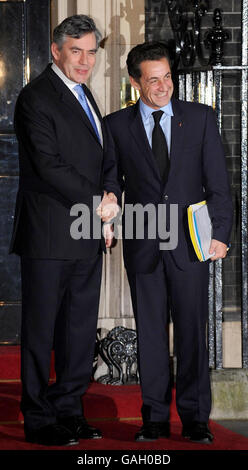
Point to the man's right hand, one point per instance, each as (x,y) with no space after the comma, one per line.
(108,208)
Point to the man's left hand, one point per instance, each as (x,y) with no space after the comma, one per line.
(108,235)
(218,249)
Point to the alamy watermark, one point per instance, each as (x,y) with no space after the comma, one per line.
(138,222)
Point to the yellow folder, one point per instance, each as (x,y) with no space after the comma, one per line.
(200,229)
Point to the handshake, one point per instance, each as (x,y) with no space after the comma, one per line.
(108,210)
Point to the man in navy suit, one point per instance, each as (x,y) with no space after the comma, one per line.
(174,156)
(61,138)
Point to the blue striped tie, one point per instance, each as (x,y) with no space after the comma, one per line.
(83,101)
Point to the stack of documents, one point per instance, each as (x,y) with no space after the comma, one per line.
(200,229)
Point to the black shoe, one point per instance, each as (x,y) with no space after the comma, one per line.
(51,435)
(79,427)
(197,432)
(152,430)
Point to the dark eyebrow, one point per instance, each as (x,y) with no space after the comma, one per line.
(155,78)
(79,49)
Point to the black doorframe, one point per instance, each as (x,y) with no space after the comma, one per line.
(24,53)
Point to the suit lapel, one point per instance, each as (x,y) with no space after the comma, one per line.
(92,102)
(139,134)
(68,97)
(96,109)
(177,138)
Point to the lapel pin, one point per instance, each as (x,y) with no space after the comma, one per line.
(180,124)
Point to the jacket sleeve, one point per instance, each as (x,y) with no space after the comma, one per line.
(113,178)
(216,181)
(37,138)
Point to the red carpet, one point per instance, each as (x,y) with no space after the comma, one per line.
(114,409)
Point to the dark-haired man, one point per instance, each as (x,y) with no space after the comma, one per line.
(60,134)
(164,151)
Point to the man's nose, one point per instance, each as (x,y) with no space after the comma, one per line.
(162,85)
(83,58)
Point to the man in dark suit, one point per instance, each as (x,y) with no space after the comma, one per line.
(164,151)
(61,135)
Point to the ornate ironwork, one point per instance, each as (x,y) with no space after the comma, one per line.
(119,351)
(186,23)
(244,184)
(186,91)
(214,39)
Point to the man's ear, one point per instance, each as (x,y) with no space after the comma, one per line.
(135,84)
(55,51)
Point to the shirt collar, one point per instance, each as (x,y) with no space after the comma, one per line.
(63,77)
(146,111)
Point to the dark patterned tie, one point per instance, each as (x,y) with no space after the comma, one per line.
(159,147)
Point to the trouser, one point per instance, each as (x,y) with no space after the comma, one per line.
(60,300)
(185,294)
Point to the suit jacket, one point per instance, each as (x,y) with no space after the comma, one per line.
(197,172)
(61,163)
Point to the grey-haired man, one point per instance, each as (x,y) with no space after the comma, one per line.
(60,134)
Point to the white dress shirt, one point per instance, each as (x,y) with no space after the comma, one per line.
(70,84)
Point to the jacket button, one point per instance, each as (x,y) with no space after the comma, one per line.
(166,197)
